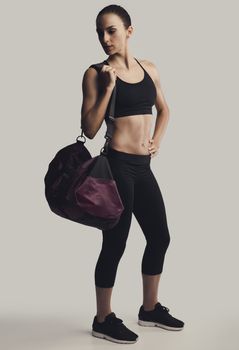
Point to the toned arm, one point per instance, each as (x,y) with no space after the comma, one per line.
(94,104)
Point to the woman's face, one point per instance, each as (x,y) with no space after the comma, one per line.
(112,34)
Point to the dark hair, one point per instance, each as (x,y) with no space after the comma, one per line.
(119,11)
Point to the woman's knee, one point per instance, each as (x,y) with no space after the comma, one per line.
(166,239)
(111,252)
(161,238)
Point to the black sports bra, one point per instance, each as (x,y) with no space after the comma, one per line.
(134,98)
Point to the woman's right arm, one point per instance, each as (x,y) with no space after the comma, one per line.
(95,99)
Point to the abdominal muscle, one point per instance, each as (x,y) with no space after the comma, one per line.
(132,134)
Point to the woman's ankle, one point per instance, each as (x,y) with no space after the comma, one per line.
(101,316)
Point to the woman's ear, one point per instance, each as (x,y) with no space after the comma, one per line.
(129,31)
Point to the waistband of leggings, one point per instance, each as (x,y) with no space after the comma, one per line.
(129,157)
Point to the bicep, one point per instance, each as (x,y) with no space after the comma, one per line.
(90,91)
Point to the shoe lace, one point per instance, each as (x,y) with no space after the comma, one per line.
(115,321)
(164,308)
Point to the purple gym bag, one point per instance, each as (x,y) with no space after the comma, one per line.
(81,188)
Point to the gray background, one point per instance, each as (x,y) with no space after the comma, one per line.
(47,295)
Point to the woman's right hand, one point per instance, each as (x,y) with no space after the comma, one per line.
(108,76)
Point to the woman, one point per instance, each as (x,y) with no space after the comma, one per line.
(130,151)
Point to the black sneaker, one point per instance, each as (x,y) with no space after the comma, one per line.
(159,317)
(113,329)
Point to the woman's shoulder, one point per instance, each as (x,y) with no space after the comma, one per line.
(150,67)
(92,71)
(147,63)
(97,66)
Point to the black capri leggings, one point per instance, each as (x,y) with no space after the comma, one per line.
(141,195)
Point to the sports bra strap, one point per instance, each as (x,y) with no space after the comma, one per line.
(139,63)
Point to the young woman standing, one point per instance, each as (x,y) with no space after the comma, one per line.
(130,151)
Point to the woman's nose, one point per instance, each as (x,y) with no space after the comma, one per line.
(105,38)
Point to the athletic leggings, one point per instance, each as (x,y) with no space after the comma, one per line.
(141,195)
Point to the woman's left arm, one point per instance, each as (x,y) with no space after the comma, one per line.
(162,117)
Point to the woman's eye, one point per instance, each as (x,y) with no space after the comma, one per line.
(110,32)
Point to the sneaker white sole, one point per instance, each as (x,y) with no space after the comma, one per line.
(156,324)
(107,337)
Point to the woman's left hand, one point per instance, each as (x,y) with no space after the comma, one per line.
(153,147)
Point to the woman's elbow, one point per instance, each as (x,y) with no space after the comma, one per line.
(88,132)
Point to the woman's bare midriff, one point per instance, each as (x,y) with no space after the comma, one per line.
(132,134)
